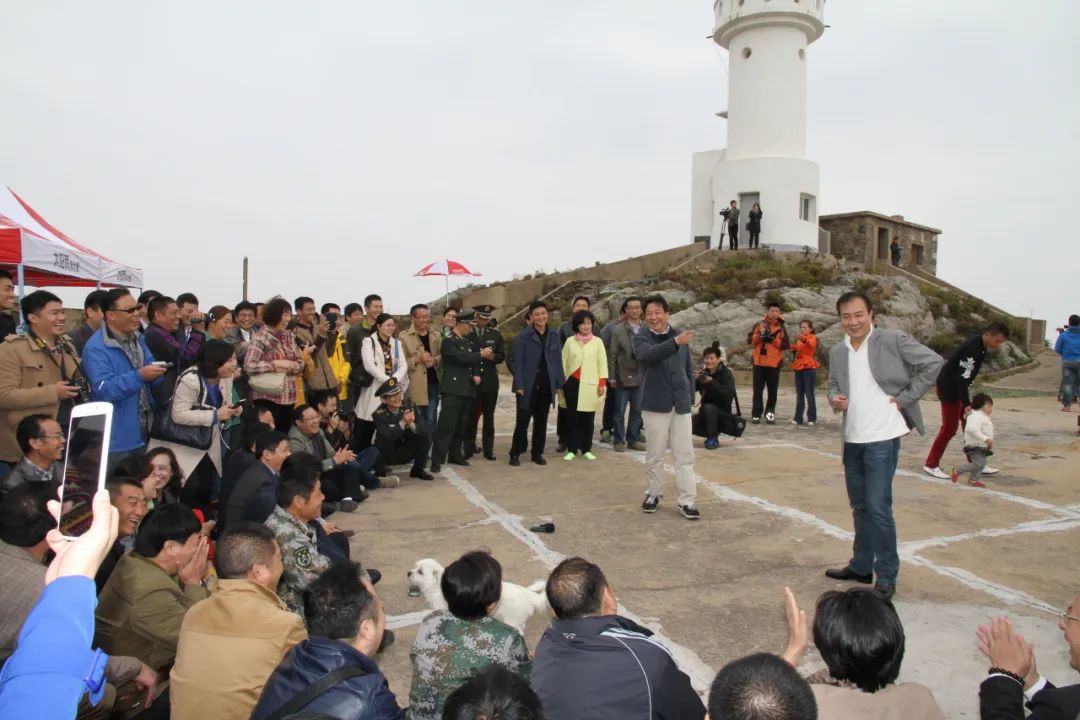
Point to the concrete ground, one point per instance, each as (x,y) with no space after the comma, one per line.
(774,513)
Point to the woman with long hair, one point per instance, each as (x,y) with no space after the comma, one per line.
(383,357)
(274,361)
(585,367)
(805,366)
(219,321)
(754,226)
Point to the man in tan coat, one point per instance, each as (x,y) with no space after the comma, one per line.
(36,370)
(423,351)
(310,331)
(231,643)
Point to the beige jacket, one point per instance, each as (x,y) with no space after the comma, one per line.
(140,611)
(322,376)
(229,645)
(907,701)
(28,378)
(418,386)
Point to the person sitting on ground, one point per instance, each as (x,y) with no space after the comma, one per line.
(252,499)
(242,457)
(761,687)
(41,440)
(402,435)
(1013,679)
(331,541)
(346,622)
(978,440)
(861,639)
(158,474)
(593,663)
(452,644)
(231,642)
(716,383)
(334,426)
(126,495)
(143,604)
(493,693)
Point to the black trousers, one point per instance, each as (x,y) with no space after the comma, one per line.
(765,377)
(283,414)
(450,434)
(706,423)
(536,411)
(560,425)
(485,406)
(363,433)
(579,425)
(607,423)
(415,451)
(755,239)
(342,481)
(733,236)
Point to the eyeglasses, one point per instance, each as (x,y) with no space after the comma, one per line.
(57,436)
(129,311)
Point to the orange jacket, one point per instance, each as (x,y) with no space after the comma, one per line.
(773,356)
(805,353)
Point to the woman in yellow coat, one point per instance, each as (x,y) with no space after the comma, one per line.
(585,366)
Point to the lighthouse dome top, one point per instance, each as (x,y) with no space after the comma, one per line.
(736,16)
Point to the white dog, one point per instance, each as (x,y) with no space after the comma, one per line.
(516,605)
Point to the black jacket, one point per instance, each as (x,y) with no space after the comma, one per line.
(528,349)
(960,370)
(397,443)
(488,369)
(609,668)
(1002,698)
(720,390)
(252,499)
(365,697)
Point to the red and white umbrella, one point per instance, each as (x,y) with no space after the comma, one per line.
(446,268)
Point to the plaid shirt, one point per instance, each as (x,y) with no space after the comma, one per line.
(266,347)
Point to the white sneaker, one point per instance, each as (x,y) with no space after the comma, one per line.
(810,424)
(936,472)
(990,470)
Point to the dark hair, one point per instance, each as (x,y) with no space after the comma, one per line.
(253,428)
(417,306)
(241,306)
(217,313)
(298,411)
(269,441)
(212,357)
(119,481)
(145,296)
(580,317)
(575,588)
(186,299)
(351,308)
(36,301)
(808,322)
(24,515)
(761,687)
(327,307)
(493,693)
(627,301)
(370,299)
(94,300)
(7,275)
(174,521)
(320,397)
(336,602)
(998,328)
(713,349)
(158,305)
(1074,320)
(301,301)
(241,547)
(113,295)
(472,583)
(860,637)
(980,400)
(657,300)
(299,474)
(145,467)
(588,303)
(451,307)
(382,318)
(28,429)
(773,304)
(275,310)
(536,305)
(853,295)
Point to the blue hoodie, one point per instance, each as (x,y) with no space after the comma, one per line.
(1068,344)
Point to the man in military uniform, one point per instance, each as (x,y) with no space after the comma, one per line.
(487,391)
(401,433)
(461,375)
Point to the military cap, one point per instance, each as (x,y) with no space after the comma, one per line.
(390,387)
(466,316)
(484,311)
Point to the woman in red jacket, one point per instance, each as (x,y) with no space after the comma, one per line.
(805,367)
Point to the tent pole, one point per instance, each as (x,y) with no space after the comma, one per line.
(21,273)
(447,277)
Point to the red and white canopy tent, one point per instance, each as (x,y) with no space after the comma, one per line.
(446,268)
(42,256)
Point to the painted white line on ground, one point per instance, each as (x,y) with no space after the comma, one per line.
(700,673)
(1006,594)
(1035,526)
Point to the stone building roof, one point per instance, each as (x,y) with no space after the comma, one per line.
(897,219)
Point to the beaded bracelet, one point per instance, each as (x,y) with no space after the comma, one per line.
(1006,673)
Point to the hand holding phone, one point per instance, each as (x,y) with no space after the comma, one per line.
(89,433)
(152,372)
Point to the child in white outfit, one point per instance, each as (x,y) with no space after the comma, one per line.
(978,440)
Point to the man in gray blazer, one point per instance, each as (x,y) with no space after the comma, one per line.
(876,378)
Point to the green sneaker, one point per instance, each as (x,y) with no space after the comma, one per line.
(589,456)
(568,456)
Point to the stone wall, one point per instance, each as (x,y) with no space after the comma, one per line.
(855,237)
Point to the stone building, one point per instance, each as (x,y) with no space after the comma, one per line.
(865,237)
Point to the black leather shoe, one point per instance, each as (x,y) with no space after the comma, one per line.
(539,460)
(459,461)
(515,461)
(846,573)
(435,467)
(419,474)
(885,590)
(489,456)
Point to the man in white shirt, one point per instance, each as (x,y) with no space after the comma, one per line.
(876,378)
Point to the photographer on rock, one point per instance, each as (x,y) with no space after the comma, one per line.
(731,217)
(769,339)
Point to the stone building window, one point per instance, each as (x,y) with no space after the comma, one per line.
(746,53)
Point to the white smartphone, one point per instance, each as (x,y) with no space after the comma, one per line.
(85,460)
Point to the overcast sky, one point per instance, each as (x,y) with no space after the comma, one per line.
(343,145)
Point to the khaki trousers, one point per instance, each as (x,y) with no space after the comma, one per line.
(672,431)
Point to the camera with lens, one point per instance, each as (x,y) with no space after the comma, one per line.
(83,386)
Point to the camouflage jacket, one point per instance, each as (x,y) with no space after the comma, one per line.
(300,556)
(447,651)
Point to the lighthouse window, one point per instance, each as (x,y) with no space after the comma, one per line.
(802,54)
(746,52)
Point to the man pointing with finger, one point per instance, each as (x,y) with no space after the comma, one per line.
(667,382)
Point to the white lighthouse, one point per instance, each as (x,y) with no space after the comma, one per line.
(765,160)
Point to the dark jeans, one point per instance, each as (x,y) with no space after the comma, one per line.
(733,236)
(706,423)
(607,421)
(431,410)
(450,433)
(765,377)
(805,382)
(484,407)
(869,469)
(345,480)
(627,432)
(535,410)
(560,425)
(579,425)
(755,239)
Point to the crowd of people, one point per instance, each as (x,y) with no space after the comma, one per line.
(222,589)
